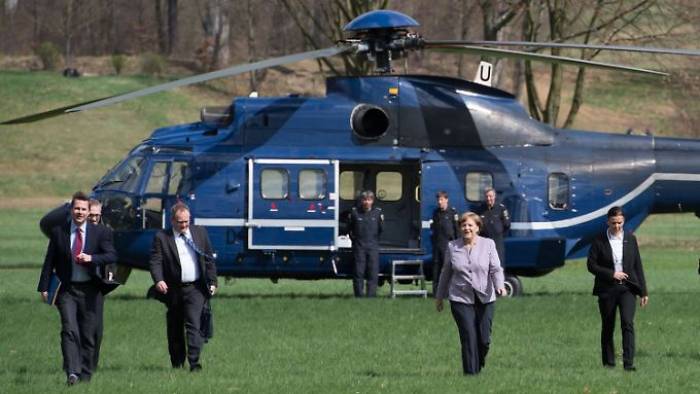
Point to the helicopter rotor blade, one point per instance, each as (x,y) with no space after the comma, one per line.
(530,44)
(501,53)
(226,72)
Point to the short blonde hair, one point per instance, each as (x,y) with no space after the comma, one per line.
(470,215)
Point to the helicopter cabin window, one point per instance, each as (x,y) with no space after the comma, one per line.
(312,184)
(351,184)
(475,184)
(389,186)
(274,183)
(558,190)
(126,176)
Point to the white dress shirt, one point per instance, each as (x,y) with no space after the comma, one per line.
(616,246)
(188,258)
(80,272)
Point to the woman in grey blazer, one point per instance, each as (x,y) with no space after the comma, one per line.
(471,277)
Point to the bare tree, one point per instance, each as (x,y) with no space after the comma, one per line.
(497,14)
(586,21)
(327,20)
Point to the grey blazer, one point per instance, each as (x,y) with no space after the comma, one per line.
(465,274)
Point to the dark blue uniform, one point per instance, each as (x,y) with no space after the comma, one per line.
(496,222)
(365,228)
(444,228)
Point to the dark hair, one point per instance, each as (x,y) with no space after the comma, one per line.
(615,211)
(367,194)
(441,193)
(178,207)
(79,196)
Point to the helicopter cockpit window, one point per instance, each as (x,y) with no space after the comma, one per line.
(126,176)
(389,186)
(179,178)
(558,190)
(274,183)
(475,184)
(312,184)
(351,184)
(157,179)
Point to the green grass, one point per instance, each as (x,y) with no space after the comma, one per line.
(311,336)
(55,157)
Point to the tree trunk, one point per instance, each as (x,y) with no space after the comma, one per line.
(172,26)
(160,27)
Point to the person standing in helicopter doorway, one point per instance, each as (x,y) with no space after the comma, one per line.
(443,229)
(365,225)
(496,222)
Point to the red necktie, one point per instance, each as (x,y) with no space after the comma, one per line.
(77,244)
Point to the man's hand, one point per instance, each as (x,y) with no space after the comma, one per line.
(620,276)
(644,301)
(162,287)
(438,305)
(83,259)
(502,292)
(212,289)
(45,296)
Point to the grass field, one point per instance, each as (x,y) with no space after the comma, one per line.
(311,336)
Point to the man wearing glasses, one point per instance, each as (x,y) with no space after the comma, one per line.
(183,270)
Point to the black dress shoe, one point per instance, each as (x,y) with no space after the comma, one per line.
(177,366)
(630,368)
(196,368)
(611,366)
(72,379)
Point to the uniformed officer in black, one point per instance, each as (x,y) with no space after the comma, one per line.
(365,226)
(496,221)
(443,229)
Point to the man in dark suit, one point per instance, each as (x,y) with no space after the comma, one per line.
(619,278)
(443,228)
(182,268)
(77,249)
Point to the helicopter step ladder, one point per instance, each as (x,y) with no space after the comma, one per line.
(417,275)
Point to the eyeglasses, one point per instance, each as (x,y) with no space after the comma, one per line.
(94,215)
(182,221)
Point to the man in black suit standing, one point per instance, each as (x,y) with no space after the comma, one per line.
(77,249)
(619,278)
(182,268)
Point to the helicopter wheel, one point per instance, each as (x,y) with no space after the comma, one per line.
(513,285)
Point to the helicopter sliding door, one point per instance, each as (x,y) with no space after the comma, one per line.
(292,204)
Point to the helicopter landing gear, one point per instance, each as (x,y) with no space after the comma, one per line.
(513,285)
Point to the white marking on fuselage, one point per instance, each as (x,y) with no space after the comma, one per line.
(558,224)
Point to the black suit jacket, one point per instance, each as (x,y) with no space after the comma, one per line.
(165,262)
(600,263)
(98,244)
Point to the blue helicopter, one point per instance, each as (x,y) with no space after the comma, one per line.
(272,178)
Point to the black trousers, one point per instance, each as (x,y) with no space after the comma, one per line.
(474,326)
(618,297)
(183,321)
(366,267)
(80,307)
(438,259)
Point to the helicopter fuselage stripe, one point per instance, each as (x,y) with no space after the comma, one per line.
(220,222)
(558,224)
(295,224)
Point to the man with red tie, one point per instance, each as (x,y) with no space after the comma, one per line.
(76,250)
